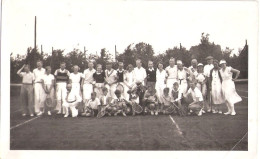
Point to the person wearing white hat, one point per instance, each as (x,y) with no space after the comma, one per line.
(228,87)
(209,66)
(216,88)
(182,76)
(171,71)
(201,85)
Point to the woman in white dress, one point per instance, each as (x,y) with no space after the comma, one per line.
(216,88)
(160,81)
(228,87)
(182,76)
(129,80)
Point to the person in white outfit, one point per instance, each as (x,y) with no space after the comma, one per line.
(87,83)
(139,72)
(193,69)
(48,86)
(129,80)
(71,102)
(182,75)
(161,76)
(228,87)
(74,80)
(111,79)
(39,93)
(216,88)
(62,78)
(171,73)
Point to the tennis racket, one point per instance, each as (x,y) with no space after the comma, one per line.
(102,112)
(137,108)
(48,101)
(180,111)
(120,87)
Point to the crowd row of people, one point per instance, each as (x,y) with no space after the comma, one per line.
(196,89)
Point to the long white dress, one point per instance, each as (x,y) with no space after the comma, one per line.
(216,88)
(160,85)
(228,86)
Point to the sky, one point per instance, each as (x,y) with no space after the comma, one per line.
(102,24)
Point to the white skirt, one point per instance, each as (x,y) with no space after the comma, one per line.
(216,92)
(229,92)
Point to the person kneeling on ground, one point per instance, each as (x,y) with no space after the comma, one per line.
(71,101)
(134,100)
(177,99)
(197,99)
(92,105)
(119,104)
(105,100)
(151,101)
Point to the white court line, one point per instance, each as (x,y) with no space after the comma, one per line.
(176,125)
(239,141)
(243,96)
(242,91)
(24,123)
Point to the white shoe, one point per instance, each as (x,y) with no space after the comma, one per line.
(227,113)
(152,113)
(23,114)
(59,112)
(233,113)
(208,110)
(124,114)
(214,111)
(200,113)
(66,115)
(39,114)
(32,115)
(49,112)
(203,111)
(156,113)
(220,112)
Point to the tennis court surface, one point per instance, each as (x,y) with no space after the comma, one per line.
(163,132)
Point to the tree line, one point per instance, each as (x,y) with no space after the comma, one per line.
(132,52)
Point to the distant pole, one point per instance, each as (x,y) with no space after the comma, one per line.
(115,53)
(246,41)
(180,46)
(35,25)
(41,49)
(84,50)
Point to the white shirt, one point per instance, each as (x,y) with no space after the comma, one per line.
(200,77)
(182,74)
(129,78)
(111,75)
(93,104)
(47,79)
(75,78)
(88,76)
(73,98)
(160,76)
(196,93)
(207,69)
(172,72)
(38,74)
(27,77)
(193,71)
(139,74)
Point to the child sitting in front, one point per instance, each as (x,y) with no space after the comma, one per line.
(134,99)
(176,96)
(92,105)
(166,101)
(119,103)
(197,99)
(71,101)
(151,101)
(105,100)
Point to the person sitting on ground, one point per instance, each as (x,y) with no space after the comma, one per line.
(151,101)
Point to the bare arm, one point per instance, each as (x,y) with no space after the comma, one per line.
(19,71)
(237,72)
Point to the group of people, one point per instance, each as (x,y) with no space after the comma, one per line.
(196,90)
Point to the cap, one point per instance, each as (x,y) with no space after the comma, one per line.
(209,58)
(200,64)
(222,61)
(179,62)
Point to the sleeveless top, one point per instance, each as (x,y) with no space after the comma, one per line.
(151,75)
(120,75)
(99,77)
(62,76)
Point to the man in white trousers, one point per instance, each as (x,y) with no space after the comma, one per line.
(111,79)
(62,77)
(87,82)
(172,73)
(139,72)
(38,90)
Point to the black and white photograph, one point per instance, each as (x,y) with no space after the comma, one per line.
(135,76)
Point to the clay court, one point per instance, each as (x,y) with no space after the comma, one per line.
(163,132)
